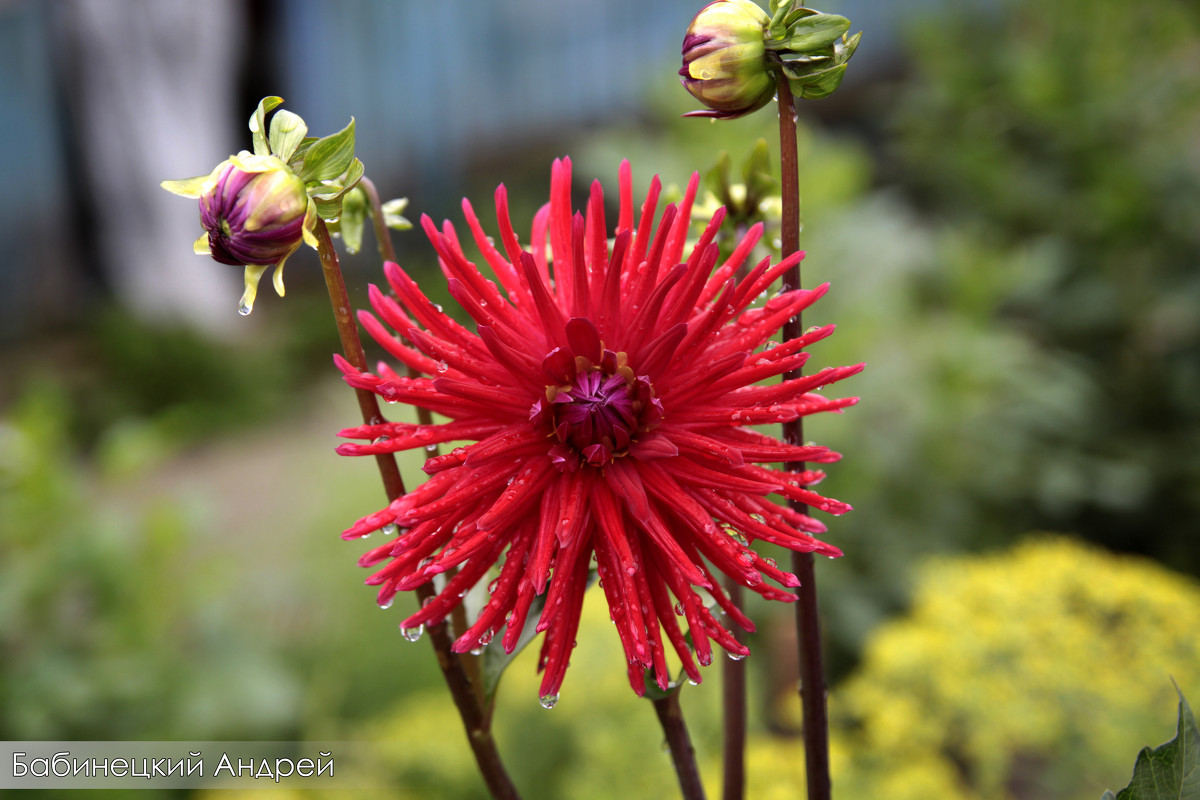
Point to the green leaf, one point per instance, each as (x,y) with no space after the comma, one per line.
(393,214)
(328,196)
(495,660)
(330,156)
(354,213)
(716,180)
(1171,771)
(297,159)
(816,32)
(819,84)
(287,132)
(258,124)
(756,172)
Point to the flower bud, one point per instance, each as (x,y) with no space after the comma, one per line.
(253,209)
(724,59)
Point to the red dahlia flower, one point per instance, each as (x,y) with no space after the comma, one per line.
(609,392)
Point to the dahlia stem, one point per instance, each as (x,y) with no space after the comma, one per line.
(477,724)
(382,237)
(808,624)
(458,616)
(733,701)
(683,755)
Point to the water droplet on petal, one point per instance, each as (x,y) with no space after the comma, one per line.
(244,309)
(548,700)
(387,604)
(735,656)
(391,529)
(412,634)
(442,366)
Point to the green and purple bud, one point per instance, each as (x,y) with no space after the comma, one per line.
(724,59)
(253,208)
(734,51)
(258,208)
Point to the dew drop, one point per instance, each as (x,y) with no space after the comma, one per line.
(735,656)
(387,604)
(442,366)
(391,529)
(380,440)
(412,634)
(431,448)
(477,650)
(548,700)
(693,683)
(438,306)
(244,309)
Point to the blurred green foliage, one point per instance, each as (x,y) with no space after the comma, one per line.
(108,631)
(1067,131)
(1032,672)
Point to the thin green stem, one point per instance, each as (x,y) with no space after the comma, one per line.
(808,625)
(683,755)
(477,724)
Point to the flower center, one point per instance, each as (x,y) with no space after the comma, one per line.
(598,415)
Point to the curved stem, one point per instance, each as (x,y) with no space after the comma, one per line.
(683,755)
(382,237)
(477,724)
(808,626)
(733,702)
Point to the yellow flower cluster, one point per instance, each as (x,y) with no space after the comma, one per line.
(1037,672)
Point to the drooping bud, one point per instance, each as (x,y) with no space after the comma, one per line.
(257,209)
(724,59)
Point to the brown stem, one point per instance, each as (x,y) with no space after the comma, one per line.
(733,701)
(479,734)
(458,616)
(808,626)
(683,755)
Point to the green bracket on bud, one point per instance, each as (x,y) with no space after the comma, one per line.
(257,209)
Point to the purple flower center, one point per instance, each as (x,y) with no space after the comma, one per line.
(596,415)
